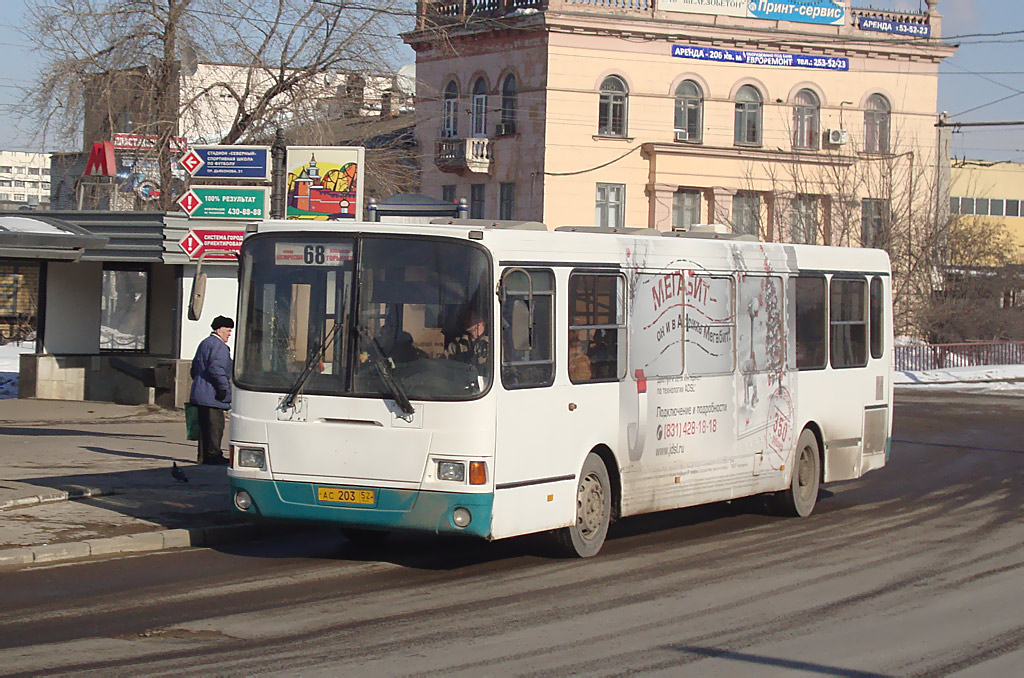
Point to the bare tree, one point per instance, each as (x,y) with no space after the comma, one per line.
(138,65)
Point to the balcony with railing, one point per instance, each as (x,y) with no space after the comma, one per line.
(457,155)
(441,12)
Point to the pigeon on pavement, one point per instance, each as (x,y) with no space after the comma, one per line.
(177,473)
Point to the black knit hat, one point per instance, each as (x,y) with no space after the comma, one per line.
(220,321)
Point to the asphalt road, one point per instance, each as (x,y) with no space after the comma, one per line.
(917,569)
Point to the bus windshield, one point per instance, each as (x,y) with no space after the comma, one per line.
(420,304)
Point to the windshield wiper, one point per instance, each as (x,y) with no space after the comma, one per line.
(307,369)
(384,369)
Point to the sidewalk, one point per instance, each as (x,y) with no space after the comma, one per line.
(80,479)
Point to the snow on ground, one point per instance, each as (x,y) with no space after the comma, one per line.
(9,366)
(987,378)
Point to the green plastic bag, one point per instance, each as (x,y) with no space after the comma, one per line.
(191,421)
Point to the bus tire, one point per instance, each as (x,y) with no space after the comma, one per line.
(802,495)
(593,512)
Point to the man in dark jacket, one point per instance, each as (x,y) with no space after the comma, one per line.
(211,389)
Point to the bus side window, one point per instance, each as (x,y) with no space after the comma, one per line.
(527,361)
(876,315)
(596,327)
(808,294)
(848,320)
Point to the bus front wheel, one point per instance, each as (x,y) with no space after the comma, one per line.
(800,498)
(593,512)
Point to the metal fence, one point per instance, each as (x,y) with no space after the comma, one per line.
(938,356)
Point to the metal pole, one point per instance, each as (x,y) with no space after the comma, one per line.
(278,190)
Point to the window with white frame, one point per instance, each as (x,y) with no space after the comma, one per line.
(689,111)
(749,105)
(746,213)
(611,114)
(610,205)
(685,209)
(806,112)
(803,219)
(479,108)
(449,125)
(876,124)
(874,222)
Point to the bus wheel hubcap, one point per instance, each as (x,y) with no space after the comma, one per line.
(590,506)
(806,472)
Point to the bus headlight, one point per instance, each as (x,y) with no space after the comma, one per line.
(451,470)
(250,457)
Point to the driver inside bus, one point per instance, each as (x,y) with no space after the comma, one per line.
(472,345)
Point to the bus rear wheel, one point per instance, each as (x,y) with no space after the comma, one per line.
(593,512)
(802,495)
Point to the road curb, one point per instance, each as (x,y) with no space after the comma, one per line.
(130,543)
(54,496)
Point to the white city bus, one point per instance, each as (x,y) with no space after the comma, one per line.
(496,379)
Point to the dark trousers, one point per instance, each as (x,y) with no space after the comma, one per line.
(211,431)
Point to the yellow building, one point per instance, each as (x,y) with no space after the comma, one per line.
(992,192)
(797,120)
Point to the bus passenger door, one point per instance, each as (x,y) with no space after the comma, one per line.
(532,431)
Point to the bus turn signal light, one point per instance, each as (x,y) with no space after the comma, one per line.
(477,473)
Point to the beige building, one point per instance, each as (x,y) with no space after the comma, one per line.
(993,192)
(798,120)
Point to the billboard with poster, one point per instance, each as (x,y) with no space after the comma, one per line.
(831,12)
(325,182)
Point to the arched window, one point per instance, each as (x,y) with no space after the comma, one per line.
(509,104)
(806,112)
(876,124)
(689,111)
(611,113)
(748,116)
(479,108)
(449,123)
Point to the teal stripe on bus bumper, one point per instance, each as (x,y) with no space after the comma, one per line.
(888,449)
(394,510)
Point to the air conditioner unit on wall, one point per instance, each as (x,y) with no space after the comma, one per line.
(682,135)
(505,129)
(838,137)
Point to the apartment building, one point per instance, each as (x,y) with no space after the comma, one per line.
(24,180)
(795,120)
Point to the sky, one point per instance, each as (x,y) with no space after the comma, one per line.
(982,82)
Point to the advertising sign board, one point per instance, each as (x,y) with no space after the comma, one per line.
(228,162)
(226,202)
(740,56)
(832,12)
(212,243)
(325,182)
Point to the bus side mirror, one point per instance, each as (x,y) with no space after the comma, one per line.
(195,302)
(522,326)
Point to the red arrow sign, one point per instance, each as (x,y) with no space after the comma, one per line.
(191,162)
(190,202)
(212,243)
